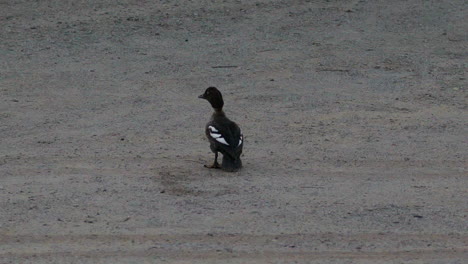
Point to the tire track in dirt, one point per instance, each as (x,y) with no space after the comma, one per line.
(370,246)
(257,255)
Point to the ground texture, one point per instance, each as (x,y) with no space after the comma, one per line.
(354,115)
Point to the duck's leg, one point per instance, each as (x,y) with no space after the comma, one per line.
(215,164)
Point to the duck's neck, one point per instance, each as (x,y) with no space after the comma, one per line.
(218,112)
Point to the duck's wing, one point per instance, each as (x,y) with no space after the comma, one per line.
(217,135)
(227,137)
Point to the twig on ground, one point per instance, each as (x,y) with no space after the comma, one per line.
(333,70)
(224,66)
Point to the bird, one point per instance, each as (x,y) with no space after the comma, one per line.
(224,135)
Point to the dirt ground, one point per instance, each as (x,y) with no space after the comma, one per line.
(354,115)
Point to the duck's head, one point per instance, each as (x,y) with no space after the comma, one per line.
(213,96)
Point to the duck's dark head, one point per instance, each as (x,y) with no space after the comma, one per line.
(213,96)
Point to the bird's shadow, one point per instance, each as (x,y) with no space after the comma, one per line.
(194,180)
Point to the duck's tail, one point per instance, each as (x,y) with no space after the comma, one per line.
(231,164)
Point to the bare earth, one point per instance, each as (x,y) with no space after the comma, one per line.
(354,114)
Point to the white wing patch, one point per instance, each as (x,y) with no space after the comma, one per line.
(212,129)
(240,140)
(215,136)
(222,140)
(214,133)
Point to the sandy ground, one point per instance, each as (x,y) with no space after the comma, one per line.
(354,115)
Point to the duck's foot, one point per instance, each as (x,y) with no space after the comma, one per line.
(214,166)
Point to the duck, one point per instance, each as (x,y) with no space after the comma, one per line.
(224,135)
